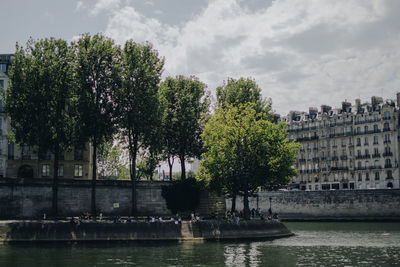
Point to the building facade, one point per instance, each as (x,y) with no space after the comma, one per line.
(351,147)
(30,162)
(5,62)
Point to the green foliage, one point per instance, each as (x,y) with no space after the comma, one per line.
(246,151)
(242,91)
(184,102)
(97,68)
(39,99)
(137,101)
(182,195)
(111,162)
(147,166)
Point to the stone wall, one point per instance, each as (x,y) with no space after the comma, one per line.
(64,231)
(370,204)
(30,198)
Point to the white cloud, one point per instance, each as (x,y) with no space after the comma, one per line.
(79,5)
(302,53)
(105,5)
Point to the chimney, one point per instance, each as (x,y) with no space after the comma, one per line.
(325,108)
(345,105)
(358,103)
(398,99)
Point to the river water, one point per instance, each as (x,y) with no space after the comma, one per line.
(314,244)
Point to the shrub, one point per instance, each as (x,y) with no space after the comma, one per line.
(182,195)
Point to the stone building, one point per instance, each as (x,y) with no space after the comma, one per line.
(351,147)
(5,62)
(25,161)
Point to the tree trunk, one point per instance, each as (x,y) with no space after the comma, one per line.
(170,164)
(94,176)
(183,167)
(55,183)
(233,207)
(246,209)
(133,176)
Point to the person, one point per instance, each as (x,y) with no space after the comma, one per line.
(253,212)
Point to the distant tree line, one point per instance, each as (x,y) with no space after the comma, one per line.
(92,90)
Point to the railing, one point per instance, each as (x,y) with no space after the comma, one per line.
(387,154)
(343,157)
(386,142)
(376,155)
(388,166)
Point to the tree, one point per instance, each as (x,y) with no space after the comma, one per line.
(184,102)
(97,73)
(137,101)
(242,91)
(111,161)
(38,100)
(246,151)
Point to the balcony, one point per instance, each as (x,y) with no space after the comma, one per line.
(386,118)
(315,159)
(386,142)
(388,166)
(343,157)
(339,168)
(368,156)
(302,160)
(375,167)
(335,158)
(376,155)
(386,129)
(387,154)
(360,168)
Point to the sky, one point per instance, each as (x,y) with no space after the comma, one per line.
(302,53)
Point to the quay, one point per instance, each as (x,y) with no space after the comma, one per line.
(35,231)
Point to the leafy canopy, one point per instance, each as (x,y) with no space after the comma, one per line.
(245,151)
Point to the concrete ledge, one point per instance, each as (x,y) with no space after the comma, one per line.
(63,231)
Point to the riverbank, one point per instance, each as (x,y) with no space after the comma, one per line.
(91,231)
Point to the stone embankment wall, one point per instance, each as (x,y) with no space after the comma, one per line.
(23,198)
(58,231)
(383,204)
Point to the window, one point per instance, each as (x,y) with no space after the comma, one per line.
(358,130)
(11,151)
(60,170)
(376,117)
(78,170)
(78,153)
(359,177)
(358,142)
(386,127)
(358,153)
(375,140)
(359,164)
(376,151)
(26,152)
(366,141)
(3,67)
(376,128)
(44,155)
(376,176)
(1,84)
(389,175)
(386,115)
(367,176)
(45,170)
(365,129)
(387,138)
(366,152)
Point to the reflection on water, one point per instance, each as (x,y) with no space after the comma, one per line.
(315,244)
